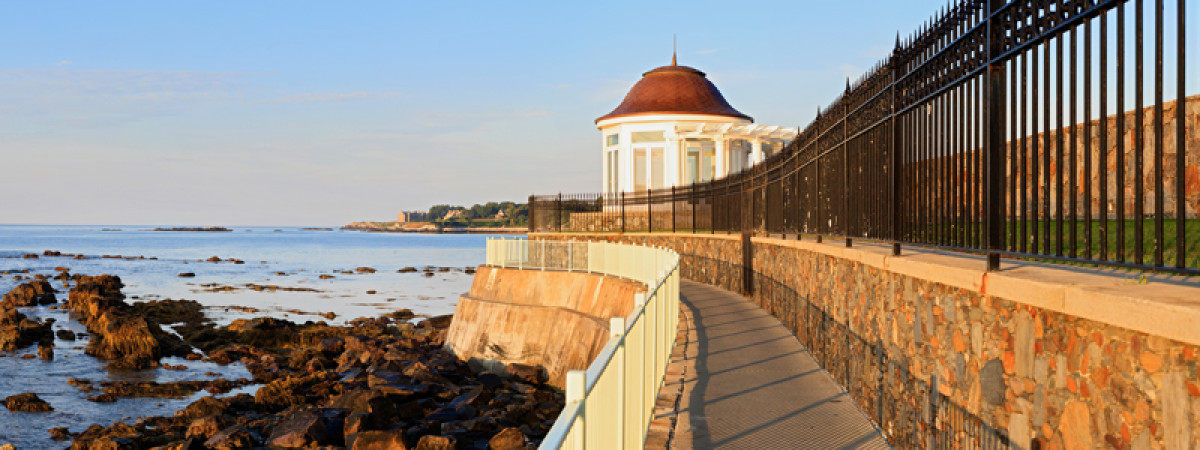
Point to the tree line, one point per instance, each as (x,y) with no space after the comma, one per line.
(482,215)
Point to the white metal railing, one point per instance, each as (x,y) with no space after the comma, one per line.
(610,404)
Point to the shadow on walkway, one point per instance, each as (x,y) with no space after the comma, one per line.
(750,384)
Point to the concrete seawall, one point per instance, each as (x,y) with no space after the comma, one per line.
(1066,356)
(554,319)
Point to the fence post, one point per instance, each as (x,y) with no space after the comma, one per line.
(896,152)
(558,213)
(747,263)
(616,328)
(649,213)
(994,145)
(622,212)
(694,203)
(576,383)
(531,209)
(846,165)
(819,199)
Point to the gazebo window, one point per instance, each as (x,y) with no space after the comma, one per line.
(639,169)
(700,162)
(657,168)
(611,140)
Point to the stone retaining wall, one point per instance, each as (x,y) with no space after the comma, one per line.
(556,320)
(1025,366)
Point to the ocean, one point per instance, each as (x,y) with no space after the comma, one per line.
(289,273)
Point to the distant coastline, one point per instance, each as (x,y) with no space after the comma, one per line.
(205,229)
(427,227)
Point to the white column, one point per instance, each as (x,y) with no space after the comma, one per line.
(671,162)
(604,162)
(721,153)
(626,157)
(756,155)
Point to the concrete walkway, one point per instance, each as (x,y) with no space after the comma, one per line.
(739,379)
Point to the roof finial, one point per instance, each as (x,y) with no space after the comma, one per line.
(674,47)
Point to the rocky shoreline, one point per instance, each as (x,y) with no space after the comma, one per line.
(425,227)
(382,382)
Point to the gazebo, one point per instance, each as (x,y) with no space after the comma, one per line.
(674,128)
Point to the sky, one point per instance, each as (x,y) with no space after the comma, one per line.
(301,113)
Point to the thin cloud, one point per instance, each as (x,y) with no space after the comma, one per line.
(72,97)
(709,51)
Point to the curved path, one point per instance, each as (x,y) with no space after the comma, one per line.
(740,379)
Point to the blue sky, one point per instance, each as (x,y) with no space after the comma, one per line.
(321,113)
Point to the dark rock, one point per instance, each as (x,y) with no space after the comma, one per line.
(527,373)
(376,440)
(208,426)
(507,439)
(308,428)
(430,442)
(65,334)
(438,322)
(103,398)
(205,406)
(407,270)
(187,275)
(32,293)
(489,380)
(331,345)
(234,436)
(18,331)
(60,434)
(365,270)
(27,402)
(46,352)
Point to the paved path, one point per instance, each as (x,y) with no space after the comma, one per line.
(748,383)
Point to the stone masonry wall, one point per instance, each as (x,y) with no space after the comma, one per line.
(1042,378)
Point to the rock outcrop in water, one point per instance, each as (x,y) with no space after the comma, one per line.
(119,335)
(32,293)
(377,383)
(18,331)
(27,402)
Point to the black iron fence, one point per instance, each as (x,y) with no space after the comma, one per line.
(1016,128)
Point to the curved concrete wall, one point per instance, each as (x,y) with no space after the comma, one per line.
(1066,356)
(554,319)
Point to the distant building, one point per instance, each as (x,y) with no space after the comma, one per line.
(674,128)
(411,216)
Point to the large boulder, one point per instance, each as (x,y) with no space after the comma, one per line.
(376,440)
(27,402)
(309,428)
(18,331)
(32,293)
(120,335)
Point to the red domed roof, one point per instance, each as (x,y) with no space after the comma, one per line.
(674,89)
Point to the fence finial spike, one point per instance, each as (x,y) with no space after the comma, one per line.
(897,39)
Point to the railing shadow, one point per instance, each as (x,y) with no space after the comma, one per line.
(908,409)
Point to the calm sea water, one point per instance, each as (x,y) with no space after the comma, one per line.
(285,257)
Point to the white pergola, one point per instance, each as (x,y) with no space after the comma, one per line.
(662,151)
